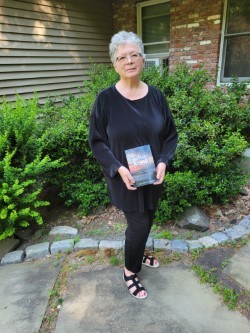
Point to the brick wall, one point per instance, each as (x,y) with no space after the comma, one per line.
(124,15)
(195,28)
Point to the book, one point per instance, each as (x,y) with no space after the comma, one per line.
(141,165)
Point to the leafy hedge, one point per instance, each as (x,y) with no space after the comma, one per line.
(23,166)
(49,146)
(213,129)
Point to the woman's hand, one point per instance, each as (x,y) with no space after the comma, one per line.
(127,178)
(160,173)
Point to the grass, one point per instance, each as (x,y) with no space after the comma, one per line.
(164,235)
(230,297)
(115,261)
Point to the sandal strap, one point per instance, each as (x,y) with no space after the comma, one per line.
(135,283)
(151,259)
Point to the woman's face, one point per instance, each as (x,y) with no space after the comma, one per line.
(128,61)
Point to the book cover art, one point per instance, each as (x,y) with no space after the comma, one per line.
(141,165)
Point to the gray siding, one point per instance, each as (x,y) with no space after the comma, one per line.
(47,46)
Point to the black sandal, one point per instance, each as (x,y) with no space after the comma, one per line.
(136,284)
(151,263)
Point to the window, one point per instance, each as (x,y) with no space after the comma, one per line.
(235,46)
(153,21)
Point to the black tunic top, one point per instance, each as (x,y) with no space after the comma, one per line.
(117,124)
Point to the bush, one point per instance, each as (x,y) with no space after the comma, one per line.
(23,168)
(64,134)
(206,169)
(212,128)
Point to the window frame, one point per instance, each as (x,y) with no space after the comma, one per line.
(222,55)
(141,5)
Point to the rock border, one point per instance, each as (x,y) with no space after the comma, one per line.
(42,250)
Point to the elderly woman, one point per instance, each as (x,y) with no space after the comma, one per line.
(127,115)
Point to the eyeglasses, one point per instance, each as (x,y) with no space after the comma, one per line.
(133,57)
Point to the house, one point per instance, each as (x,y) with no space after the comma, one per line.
(47,46)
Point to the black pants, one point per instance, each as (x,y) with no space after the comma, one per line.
(138,228)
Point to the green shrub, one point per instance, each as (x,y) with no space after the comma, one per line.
(212,127)
(23,168)
(64,134)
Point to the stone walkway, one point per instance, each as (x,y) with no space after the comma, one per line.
(98,301)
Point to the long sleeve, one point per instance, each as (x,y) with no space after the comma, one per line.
(98,139)
(118,124)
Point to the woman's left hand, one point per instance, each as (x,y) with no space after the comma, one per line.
(160,173)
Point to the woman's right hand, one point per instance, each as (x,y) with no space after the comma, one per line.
(127,178)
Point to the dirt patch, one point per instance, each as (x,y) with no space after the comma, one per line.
(109,223)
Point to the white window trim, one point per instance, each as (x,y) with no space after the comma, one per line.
(221,54)
(139,26)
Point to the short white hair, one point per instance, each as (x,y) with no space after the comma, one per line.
(124,37)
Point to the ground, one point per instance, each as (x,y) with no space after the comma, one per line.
(109,223)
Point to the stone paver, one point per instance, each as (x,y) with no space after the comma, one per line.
(179,245)
(62,246)
(99,302)
(245,222)
(162,244)
(37,251)
(110,244)
(220,237)
(24,294)
(64,230)
(149,244)
(239,266)
(13,257)
(86,243)
(208,241)
(7,245)
(194,245)
(236,232)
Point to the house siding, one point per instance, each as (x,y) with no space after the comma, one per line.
(195,30)
(48,46)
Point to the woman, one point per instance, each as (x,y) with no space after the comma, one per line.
(127,115)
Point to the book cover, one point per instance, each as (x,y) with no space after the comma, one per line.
(141,165)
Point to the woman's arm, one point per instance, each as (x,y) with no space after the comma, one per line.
(98,139)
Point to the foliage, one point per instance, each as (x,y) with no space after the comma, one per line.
(100,77)
(213,127)
(230,297)
(64,134)
(23,168)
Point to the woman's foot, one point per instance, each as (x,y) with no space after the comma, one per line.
(134,286)
(150,261)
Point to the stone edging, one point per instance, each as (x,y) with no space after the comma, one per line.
(42,250)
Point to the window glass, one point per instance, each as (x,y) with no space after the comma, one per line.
(238,16)
(158,48)
(155,25)
(236,49)
(237,62)
(156,29)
